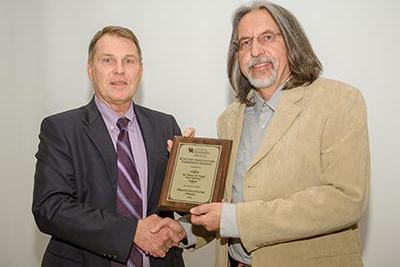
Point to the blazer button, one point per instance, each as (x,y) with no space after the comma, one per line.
(115,257)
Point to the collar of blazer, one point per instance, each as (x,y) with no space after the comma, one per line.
(96,130)
(98,133)
(289,107)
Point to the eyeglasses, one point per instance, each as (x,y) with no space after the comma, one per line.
(265,39)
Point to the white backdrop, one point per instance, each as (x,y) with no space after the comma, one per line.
(43,71)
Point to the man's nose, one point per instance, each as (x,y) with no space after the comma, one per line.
(256,48)
(119,68)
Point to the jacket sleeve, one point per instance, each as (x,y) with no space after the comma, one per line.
(60,211)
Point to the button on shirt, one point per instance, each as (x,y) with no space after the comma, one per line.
(256,122)
(137,144)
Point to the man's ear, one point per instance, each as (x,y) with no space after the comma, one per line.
(89,70)
(141,71)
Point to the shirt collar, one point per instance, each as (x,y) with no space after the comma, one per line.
(261,104)
(109,115)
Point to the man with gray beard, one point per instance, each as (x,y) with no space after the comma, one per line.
(298,180)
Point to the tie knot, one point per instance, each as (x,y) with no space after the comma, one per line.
(122,123)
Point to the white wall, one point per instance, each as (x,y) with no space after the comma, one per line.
(43,53)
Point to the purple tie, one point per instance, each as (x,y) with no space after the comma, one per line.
(129,196)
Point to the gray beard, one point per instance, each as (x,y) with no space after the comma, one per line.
(262,83)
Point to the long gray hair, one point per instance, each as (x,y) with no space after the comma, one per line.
(304,64)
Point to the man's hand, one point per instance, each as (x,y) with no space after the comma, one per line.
(189,132)
(207,215)
(175,229)
(158,243)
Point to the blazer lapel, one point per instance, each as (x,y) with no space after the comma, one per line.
(96,130)
(233,132)
(287,111)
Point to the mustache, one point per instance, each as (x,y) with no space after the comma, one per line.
(260,60)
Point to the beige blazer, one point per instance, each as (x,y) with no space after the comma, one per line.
(308,184)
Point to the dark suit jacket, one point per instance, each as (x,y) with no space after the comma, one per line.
(75,187)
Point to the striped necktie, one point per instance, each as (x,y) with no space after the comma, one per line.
(129,196)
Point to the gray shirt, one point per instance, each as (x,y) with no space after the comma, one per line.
(255,125)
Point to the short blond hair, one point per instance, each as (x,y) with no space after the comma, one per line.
(117,31)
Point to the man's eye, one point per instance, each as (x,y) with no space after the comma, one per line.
(107,60)
(245,42)
(266,37)
(130,61)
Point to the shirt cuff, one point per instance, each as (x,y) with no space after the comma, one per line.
(190,237)
(228,225)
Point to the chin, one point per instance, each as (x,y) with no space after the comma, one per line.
(121,96)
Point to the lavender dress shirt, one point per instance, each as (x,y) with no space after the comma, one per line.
(137,144)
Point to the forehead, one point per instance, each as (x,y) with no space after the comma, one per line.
(256,22)
(115,45)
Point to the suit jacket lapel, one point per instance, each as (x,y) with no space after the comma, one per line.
(96,129)
(233,132)
(287,111)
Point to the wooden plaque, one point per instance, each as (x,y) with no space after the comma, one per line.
(196,173)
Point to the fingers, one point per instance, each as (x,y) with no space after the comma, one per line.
(157,251)
(176,237)
(189,132)
(207,215)
(151,244)
(201,209)
(155,235)
(169,145)
(172,228)
(161,224)
(158,254)
(151,219)
(208,222)
(173,225)
(196,219)
(162,243)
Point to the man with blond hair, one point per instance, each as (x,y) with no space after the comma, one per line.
(100,169)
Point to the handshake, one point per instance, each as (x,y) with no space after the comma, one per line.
(156,235)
